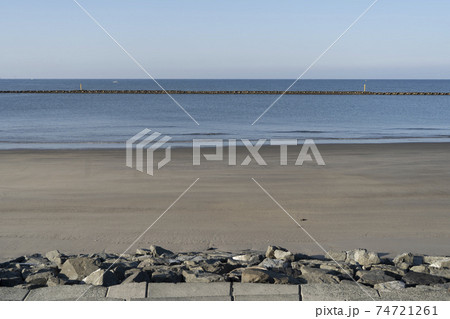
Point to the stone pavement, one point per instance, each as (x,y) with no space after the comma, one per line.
(224,291)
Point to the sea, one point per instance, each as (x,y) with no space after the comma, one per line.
(84,121)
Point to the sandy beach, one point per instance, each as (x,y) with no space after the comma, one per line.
(388,198)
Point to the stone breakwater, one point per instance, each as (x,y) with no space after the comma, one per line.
(219,92)
(163,275)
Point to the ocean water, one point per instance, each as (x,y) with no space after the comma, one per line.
(49,121)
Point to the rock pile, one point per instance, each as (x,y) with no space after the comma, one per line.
(276,266)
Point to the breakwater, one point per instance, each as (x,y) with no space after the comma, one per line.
(219,92)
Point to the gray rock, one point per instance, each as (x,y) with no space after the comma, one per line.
(441,272)
(270,252)
(10,278)
(373,277)
(436,260)
(251,259)
(201,276)
(441,263)
(362,257)
(12,294)
(390,285)
(275,264)
(165,275)
(79,268)
(317,276)
(283,255)
(151,261)
(137,276)
(420,268)
(415,278)
(55,257)
(234,275)
(38,278)
(143,251)
(158,251)
(101,277)
(339,256)
(55,281)
(407,258)
(256,275)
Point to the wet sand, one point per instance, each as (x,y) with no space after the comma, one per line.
(389,198)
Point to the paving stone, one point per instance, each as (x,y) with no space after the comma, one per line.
(12,294)
(340,292)
(419,293)
(128,291)
(66,293)
(206,298)
(165,290)
(241,289)
(293,297)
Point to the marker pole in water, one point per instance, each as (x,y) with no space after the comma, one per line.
(81,87)
(364,87)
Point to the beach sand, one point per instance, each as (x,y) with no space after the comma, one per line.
(389,198)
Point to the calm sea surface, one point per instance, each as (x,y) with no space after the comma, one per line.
(48,121)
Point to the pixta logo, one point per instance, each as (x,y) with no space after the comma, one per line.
(212,150)
(143,140)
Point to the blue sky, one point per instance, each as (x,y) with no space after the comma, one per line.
(225,39)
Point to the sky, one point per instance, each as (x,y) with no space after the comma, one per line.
(401,39)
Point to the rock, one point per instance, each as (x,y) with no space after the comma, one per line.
(441,263)
(345,271)
(421,268)
(373,277)
(101,277)
(403,266)
(55,257)
(435,259)
(256,275)
(407,258)
(390,285)
(317,276)
(143,251)
(201,276)
(215,267)
(79,268)
(165,275)
(415,278)
(362,257)
(270,252)
(283,255)
(55,281)
(38,278)
(250,259)
(339,256)
(158,251)
(137,276)
(275,264)
(151,261)
(10,278)
(441,272)
(235,275)
(390,270)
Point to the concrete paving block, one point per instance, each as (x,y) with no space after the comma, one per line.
(239,289)
(337,292)
(292,297)
(12,294)
(128,291)
(66,293)
(167,290)
(419,293)
(205,298)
